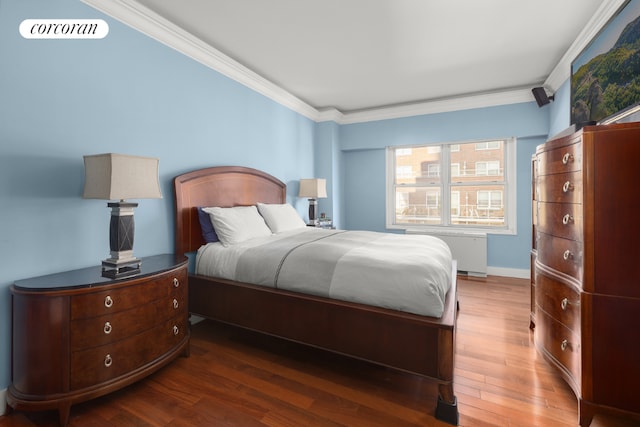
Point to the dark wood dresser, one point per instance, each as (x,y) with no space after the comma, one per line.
(586,265)
(78,335)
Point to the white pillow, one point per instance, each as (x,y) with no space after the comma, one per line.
(237,224)
(281,218)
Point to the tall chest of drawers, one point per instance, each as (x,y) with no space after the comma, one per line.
(78,335)
(586,265)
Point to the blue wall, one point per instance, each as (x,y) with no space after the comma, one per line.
(327,161)
(560,110)
(364,164)
(61,99)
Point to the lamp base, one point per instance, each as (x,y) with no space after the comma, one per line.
(120,271)
(122,263)
(313,207)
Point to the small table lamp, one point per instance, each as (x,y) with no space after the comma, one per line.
(313,189)
(119,177)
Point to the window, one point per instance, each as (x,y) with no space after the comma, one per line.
(489,200)
(488,168)
(433,169)
(455,203)
(404,171)
(488,145)
(466,186)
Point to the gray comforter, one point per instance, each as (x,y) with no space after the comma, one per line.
(411,273)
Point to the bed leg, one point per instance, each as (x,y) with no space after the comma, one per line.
(447,408)
(447,412)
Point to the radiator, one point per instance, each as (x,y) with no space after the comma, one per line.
(469,249)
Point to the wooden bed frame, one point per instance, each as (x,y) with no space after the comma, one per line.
(417,344)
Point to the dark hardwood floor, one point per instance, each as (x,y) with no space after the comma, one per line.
(238,378)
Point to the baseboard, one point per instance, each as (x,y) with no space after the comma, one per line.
(3,401)
(509,272)
(193,319)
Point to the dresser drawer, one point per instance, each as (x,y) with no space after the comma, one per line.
(104,363)
(561,220)
(559,342)
(126,297)
(560,254)
(558,300)
(96,331)
(558,160)
(560,188)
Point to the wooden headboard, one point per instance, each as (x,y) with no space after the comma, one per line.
(224,186)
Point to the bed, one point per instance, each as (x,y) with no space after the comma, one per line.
(414,343)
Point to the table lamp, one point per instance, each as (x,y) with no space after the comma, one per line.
(120,177)
(313,189)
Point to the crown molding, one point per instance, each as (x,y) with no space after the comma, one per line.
(142,19)
(330,115)
(562,71)
(467,102)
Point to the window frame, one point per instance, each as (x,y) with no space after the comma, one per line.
(447,181)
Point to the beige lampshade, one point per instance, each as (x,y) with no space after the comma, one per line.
(313,188)
(112,176)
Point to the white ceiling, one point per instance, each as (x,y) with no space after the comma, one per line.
(359,55)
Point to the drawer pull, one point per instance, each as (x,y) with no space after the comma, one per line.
(564,344)
(567,255)
(108,361)
(564,304)
(107,328)
(176,282)
(567,187)
(108,302)
(568,157)
(175,303)
(176,331)
(567,219)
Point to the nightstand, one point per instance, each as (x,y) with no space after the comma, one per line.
(78,335)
